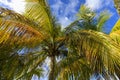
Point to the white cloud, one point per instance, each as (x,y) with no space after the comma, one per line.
(94,4)
(60,9)
(65,21)
(17,5)
(65,12)
(98,4)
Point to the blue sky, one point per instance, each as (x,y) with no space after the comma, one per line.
(65,10)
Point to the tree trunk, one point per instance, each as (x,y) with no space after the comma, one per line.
(52,67)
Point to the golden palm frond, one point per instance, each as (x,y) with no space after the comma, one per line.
(96,47)
(7,14)
(16,32)
(18,28)
(39,12)
(116,36)
(115,32)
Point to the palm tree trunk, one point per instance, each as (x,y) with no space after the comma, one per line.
(52,67)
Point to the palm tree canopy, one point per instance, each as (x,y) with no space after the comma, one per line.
(82,52)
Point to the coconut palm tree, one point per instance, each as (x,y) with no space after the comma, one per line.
(74,53)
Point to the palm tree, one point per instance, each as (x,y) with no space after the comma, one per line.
(74,53)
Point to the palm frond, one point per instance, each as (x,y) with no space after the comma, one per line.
(116,26)
(85,13)
(87,20)
(116,36)
(10,66)
(72,25)
(32,62)
(39,12)
(73,67)
(15,32)
(115,32)
(7,14)
(96,48)
(103,17)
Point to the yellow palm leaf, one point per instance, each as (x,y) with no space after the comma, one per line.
(15,32)
(115,32)
(39,11)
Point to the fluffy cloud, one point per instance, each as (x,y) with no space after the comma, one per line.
(98,4)
(65,12)
(94,4)
(17,5)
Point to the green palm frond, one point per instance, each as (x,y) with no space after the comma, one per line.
(86,17)
(39,12)
(32,62)
(85,13)
(103,17)
(10,66)
(87,20)
(96,48)
(115,32)
(73,67)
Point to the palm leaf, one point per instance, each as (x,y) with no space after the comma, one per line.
(7,14)
(32,62)
(11,66)
(42,10)
(116,36)
(73,67)
(115,32)
(15,28)
(11,31)
(87,20)
(96,48)
(103,17)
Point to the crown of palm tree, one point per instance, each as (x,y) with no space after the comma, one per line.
(76,52)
